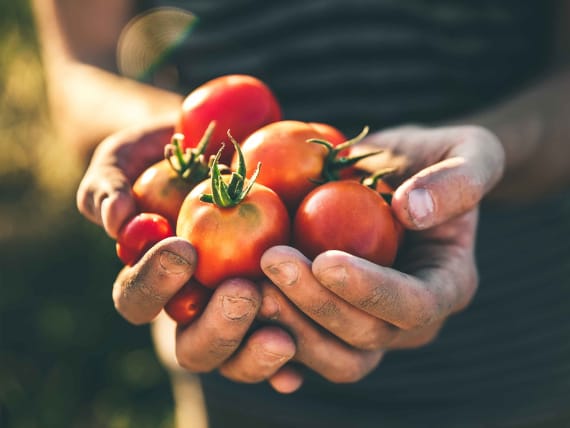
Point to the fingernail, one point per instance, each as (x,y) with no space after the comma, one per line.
(421,207)
(334,276)
(270,308)
(173,263)
(236,308)
(284,273)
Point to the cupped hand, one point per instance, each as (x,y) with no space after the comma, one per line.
(104,195)
(221,338)
(345,312)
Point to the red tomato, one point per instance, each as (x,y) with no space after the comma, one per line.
(159,189)
(188,303)
(238,103)
(139,234)
(329,133)
(162,187)
(291,165)
(229,241)
(348,216)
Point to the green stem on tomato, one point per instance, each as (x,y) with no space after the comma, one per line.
(371,181)
(333,164)
(226,195)
(190,165)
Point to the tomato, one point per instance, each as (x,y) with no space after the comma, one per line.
(231,221)
(291,165)
(238,103)
(162,187)
(329,133)
(139,234)
(188,303)
(346,215)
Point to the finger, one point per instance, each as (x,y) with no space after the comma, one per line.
(104,195)
(213,337)
(454,185)
(451,170)
(417,338)
(141,291)
(435,290)
(287,380)
(316,348)
(291,272)
(261,356)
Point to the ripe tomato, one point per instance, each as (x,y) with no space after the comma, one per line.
(188,303)
(230,241)
(346,215)
(238,103)
(231,222)
(162,187)
(139,234)
(291,165)
(329,133)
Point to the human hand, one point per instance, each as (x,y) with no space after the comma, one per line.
(351,310)
(220,338)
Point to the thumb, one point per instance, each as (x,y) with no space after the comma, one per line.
(453,185)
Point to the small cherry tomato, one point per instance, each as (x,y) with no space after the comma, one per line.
(237,103)
(346,215)
(139,234)
(188,303)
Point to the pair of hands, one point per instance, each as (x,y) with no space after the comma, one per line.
(336,315)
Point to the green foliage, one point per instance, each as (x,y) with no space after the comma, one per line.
(66,358)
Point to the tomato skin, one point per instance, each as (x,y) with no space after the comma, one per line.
(290,164)
(329,133)
(230,241)
(238,103)
(160,190)
(139,234)
(188,303)
(345,215)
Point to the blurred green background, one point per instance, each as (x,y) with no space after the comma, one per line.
(66,358)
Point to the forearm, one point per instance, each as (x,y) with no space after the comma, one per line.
(534,128)
(89,103)
(88,99)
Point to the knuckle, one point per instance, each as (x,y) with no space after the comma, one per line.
(476,134)
(351,371)
(187,362)
(222,347)
(377,337)
(84,199)
(425,313)
(327,309)
(470,289)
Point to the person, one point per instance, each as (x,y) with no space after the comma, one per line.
(468,99)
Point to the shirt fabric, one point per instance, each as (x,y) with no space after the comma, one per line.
(505,360)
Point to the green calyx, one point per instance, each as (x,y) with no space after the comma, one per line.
(333,164)
(372,180)
(190,165)
(231,193)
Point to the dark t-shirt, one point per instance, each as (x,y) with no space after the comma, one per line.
(503,362)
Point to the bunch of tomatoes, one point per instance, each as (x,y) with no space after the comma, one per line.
(237,179)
